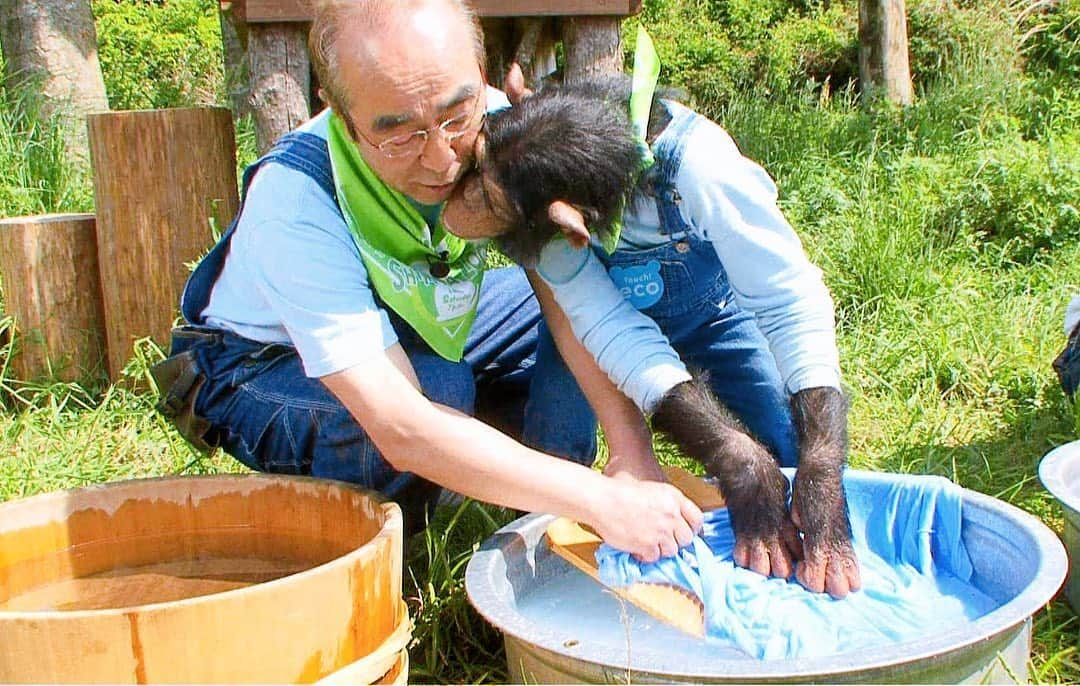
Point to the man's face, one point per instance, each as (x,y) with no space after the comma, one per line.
(422,74)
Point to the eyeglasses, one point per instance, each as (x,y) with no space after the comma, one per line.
(412,144)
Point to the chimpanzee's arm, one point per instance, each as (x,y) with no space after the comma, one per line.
(818,505)
(625,430)
(756,492)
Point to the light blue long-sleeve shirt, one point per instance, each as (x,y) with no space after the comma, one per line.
(731,202)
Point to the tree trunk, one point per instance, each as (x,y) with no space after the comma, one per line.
(280,80)
(536,50)
(234,40)
(884,71)
(160,178)
(53,290)
(593,46)
(53,44)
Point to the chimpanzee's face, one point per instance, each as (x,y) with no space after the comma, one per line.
(478,207)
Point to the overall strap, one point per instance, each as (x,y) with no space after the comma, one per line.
(669,154)
(298,150)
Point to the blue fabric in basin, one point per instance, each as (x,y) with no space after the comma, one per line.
(915,576)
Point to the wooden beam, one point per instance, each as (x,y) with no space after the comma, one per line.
(884,71)
(593,47)
(286,11)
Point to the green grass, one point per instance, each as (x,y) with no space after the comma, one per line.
(949,234)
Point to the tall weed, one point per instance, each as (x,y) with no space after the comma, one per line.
(37,173)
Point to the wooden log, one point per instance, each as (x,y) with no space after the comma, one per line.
(884,71)
(280,80)
(160,178)
(592,46)
(528,41)
(499,46)
(52,289)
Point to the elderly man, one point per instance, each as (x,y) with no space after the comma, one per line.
(338,330)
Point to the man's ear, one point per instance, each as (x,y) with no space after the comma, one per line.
(515,84)
(570,221)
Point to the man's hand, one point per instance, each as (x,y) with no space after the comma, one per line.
(647,519)
(819,509)
(818,504)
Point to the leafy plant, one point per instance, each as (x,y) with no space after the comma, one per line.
(158,53)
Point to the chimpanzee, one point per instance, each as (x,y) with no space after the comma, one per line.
(706,271)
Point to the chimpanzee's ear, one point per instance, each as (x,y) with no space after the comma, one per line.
(515,84)
(570,221)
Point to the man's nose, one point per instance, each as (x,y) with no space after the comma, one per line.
(438,153)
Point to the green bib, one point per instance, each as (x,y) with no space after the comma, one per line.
(398,249)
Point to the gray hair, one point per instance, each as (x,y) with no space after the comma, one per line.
(373,15)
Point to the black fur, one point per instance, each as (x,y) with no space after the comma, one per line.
(820,416)
(565,142)
(750,479)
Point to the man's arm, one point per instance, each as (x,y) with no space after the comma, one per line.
(442,445)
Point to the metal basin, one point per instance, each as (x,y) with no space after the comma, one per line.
(560,626)
(1060,473)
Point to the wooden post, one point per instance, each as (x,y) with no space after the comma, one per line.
(52,288)
(529,41)
(883,51)
(160,178)
(234,41)
(593,46)
(280,80)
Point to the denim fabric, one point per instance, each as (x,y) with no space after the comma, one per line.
(694,306)
(1067,364)
(698,314)
(269,415)
(702,186)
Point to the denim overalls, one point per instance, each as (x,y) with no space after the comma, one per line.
(683,287)
(267,414)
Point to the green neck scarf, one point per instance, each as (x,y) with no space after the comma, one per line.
(430,277)
(646,74)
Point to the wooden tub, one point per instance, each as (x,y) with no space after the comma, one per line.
(224,579)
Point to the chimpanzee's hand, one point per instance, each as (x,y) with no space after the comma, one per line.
(766,540)
(514,84)
(819,509)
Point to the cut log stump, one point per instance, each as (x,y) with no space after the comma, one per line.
(52,290)
(162,179)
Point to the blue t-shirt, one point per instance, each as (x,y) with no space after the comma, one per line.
(294,274)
